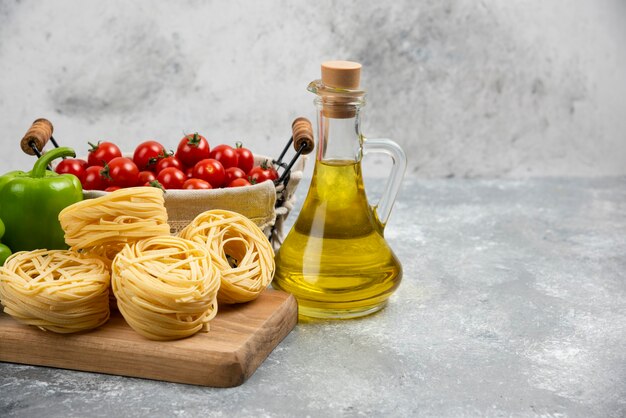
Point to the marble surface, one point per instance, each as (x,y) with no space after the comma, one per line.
(468,88)
(513,303)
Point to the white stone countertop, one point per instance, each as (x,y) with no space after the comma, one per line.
(513,303)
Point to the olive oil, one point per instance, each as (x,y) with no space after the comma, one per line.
(335,260)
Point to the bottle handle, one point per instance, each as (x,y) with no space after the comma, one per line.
(398,157)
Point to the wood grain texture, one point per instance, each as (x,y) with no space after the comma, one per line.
(241,337)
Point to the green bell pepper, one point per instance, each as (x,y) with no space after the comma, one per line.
(5,251)
(8,176)
(31,202)
(4,179)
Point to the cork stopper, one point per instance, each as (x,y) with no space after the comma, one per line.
(343,79)
(341,74)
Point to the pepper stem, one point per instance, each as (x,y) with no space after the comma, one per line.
(39,168)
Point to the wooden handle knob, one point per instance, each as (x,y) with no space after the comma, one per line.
(38,134)
(303,134)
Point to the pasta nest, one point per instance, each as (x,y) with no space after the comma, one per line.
(238,247)
(166,287)
(109,222)
(57,290)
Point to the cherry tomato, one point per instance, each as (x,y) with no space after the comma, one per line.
(273,173)
(263,172)
(102,152)
(112,188)
(224,154)
(93,179)
(147,155)
(170,161)
(239,183)
(191,149)
(189,172)
(245,159)
(146,177)
(233,173)
(210,170)
(172,178)
(74,166)
(121,172)
(153,183)
(196,184)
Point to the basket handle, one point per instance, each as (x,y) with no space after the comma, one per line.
(303,139)
(37,137)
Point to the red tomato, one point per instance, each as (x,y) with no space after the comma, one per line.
(93,179)
(263,172)
(112,188)
(239,183)
(170,161)
(121,172)
(245,159)
(233,173)
(210,170)
(189,172)
(196,184)
(74,166)
(147,155)
(172,178)
(273,173)
(146,177)
(103,152)
(153,183)
(192,148)
(225,155)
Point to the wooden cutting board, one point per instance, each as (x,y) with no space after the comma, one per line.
(241,337)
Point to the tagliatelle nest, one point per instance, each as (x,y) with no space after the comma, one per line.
(60,291)
(166,287)
(240,251)
(120,217)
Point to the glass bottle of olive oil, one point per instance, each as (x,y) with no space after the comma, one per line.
(335,259)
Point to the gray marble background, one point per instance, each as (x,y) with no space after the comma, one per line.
(469,88)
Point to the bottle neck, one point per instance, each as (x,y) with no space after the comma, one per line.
(339,139)
(338,122)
